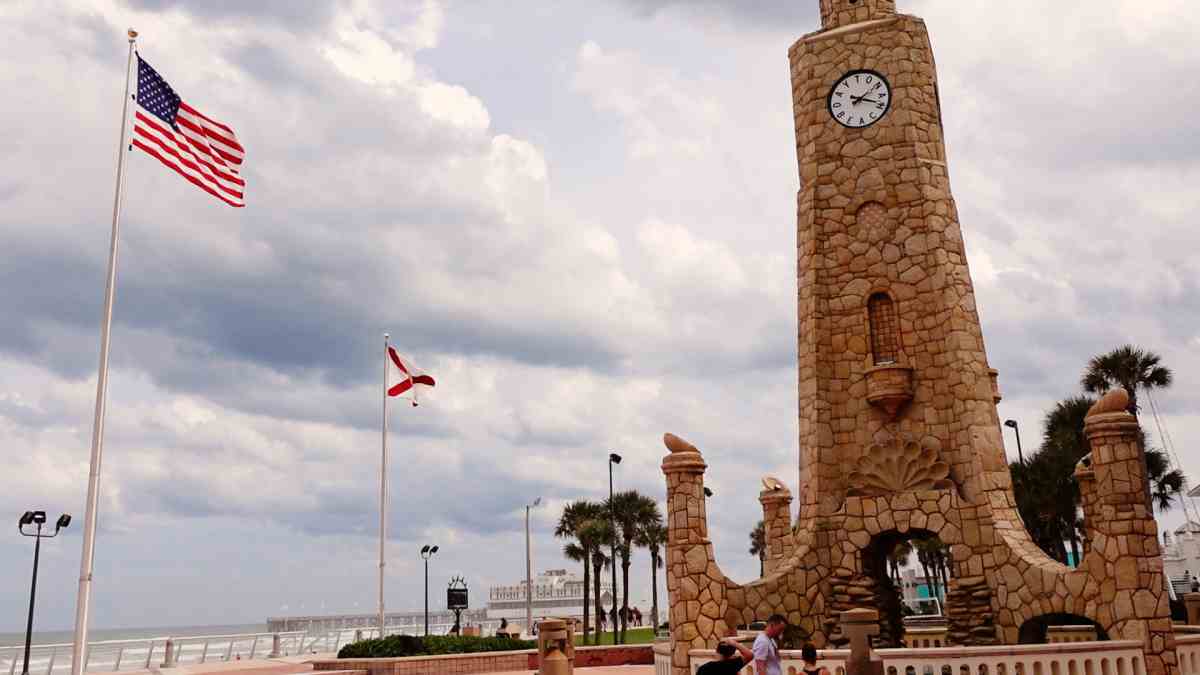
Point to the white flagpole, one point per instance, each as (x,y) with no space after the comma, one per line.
(383,480)
(79,647)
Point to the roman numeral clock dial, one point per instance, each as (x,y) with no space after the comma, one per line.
(860,98)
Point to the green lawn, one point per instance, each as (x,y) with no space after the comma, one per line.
(633,636)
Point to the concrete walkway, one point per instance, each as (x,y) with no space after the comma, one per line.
(289,665)
(284,665)
(599,670)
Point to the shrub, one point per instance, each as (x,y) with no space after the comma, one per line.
(410,645)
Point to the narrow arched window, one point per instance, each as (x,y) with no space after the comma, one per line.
(881,312)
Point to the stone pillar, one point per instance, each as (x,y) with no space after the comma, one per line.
(1192,602)
(556,647)
(695,586)
(858,627)
(836,13)
(1126,536)
(776,502)
(1085,476)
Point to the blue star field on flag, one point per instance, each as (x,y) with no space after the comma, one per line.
(155,95)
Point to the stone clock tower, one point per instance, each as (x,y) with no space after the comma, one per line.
(899,433)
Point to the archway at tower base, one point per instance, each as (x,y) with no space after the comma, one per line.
(883,561)
(1036,631)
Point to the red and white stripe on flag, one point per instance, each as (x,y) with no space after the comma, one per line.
(197,147)
(404,379)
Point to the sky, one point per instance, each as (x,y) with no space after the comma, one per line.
(578,216)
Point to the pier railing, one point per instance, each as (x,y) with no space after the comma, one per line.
(146,653)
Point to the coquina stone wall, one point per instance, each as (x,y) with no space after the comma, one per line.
(899,433)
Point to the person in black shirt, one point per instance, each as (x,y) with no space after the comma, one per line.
(733,656)
(808,654)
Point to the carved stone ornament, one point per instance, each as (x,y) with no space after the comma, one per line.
(771,483)
(894,466)
(890,387)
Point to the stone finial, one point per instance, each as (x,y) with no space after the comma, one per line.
(773,484)
(1116,400)
(677,444)
(836,13)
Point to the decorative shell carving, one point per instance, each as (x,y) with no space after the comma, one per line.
(772,483)
(898,467)
(677,444)
(1116,400)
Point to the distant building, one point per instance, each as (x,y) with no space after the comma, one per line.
(1181,556)
(555,593)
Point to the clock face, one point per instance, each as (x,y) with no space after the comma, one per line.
(860,98)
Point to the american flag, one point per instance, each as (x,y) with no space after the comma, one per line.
(197,147)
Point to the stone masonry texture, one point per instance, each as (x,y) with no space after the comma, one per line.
(910,446)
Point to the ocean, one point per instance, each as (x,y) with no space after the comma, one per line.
(97,634)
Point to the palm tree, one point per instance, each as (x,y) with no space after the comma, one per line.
(631,512)
(573,524)
(927,553)
(600,562)
(758,544)
(1132,368)
(1166,483)
(1127,366)
(1047,493)
(899,558)
(653,536)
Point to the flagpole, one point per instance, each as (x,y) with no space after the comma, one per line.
(82,602)
(383,476)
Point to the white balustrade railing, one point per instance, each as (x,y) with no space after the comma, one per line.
(833,659)
(147,653)
(1118,657)
(1187,646)
(662,657)
(1075,658)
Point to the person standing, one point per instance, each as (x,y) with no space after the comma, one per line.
(808,654)
(732,656)
(766,647)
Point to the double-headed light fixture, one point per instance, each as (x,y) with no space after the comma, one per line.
(37,519)
(427,552)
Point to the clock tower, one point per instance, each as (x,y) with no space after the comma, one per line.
(899,433)
(890,345)
(896,394)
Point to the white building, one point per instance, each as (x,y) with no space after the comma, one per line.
(555,593)
(1181,556)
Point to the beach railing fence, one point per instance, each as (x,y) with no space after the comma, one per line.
(146,653)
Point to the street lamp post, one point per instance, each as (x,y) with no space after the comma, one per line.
(613,458)
(37,518)
(529,572)
(427,552)
(1013,424)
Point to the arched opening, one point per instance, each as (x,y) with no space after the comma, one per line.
(1048,628)
(908,573)
(884,328)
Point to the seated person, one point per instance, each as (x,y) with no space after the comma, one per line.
(732,657)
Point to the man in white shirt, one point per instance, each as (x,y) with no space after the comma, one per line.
(766,649)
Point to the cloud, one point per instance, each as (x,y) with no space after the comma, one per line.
(592,247)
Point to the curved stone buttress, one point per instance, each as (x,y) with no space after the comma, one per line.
(1119,584)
